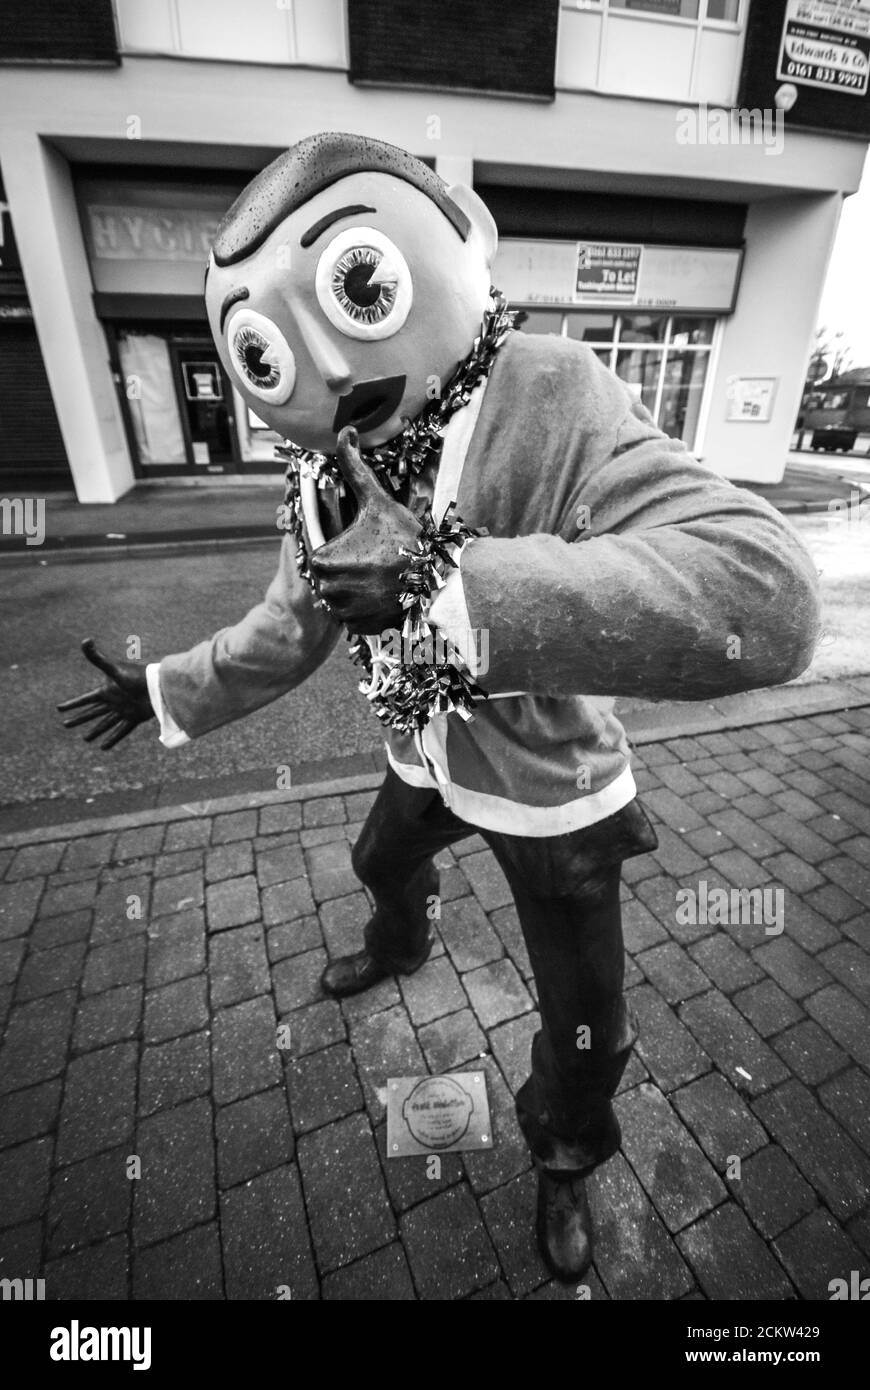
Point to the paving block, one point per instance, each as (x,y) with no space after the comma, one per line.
(810,1053)
(234,825)
(491,1168)
(768,1008)
(188,834)
(724,963)
(46,972)
(330,871)
(245,1054)
(384,1046)
(828,1159)
(176,947)
(487,880)
(668,1049)
(731,1261)
(98,1102)
(29,1113)
(672,1168)
(817,1251)
(285,902)
(496,992)
(238,968)
(348,1209)
(177,1187)
(447,1245)
(851,966)
(253,1135)
(31,861)
(720,1121)
(24,1174)
(313,1027)
(184,1268)
(383,1276)
(232,903)
(741,1055)
(89,1201)
(266,1245)
(433,991)
(343,921)
(640,929)
(18,902)
(772,1191)
(511,1044)
(233,860)
(173,1072)
(634,1254)
(296,981)
(175,1009)
(848,1099)
(467,934)
(283,816)
(323,1087)
(847,1021)
(293,938)
(98,1274)
(36,1041)
(176,893)
(119,963)
(509,1214)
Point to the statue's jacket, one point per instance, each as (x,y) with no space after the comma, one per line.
(615,564)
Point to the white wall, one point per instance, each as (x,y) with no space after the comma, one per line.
(42,206)
(788,246)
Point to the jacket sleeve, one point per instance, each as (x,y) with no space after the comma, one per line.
(272,650)
(678,585)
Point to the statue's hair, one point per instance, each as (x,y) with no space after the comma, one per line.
(307,168)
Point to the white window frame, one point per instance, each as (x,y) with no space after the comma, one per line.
(604,8)
(614,345)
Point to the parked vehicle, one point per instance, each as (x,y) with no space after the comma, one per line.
(837,411)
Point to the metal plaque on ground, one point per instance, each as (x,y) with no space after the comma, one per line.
(437,1114)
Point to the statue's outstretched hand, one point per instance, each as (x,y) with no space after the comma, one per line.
(119,704)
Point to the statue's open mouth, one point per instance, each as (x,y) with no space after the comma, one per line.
(370,403)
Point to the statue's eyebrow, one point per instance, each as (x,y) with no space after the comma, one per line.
(240,292)
(320,227)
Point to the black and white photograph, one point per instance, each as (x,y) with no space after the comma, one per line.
(435,680)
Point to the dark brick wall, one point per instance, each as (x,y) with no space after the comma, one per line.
(816,108)
(462,44)
(57,31)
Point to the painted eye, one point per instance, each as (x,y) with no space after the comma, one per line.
(261,356)
(363,284)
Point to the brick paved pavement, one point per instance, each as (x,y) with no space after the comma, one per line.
(144,972)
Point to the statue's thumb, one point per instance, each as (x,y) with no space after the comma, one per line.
(356,474)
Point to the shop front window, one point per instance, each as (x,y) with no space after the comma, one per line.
(663,359)
(149,386)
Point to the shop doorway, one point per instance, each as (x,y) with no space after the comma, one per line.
(205,400)
(183,414)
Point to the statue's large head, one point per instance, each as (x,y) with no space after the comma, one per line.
(345,285)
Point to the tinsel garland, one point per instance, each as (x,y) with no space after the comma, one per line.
(405,691)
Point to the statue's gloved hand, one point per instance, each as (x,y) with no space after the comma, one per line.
(120,703)
(358,573)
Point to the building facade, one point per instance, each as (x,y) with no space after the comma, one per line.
(667,177)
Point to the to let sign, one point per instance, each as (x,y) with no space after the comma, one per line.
(607,270)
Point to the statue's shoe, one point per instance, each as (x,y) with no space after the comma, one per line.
(352,974)
(564,1225)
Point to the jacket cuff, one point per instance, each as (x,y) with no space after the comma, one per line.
(448,612)
(171,735)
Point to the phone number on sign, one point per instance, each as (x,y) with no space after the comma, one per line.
(831,77)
